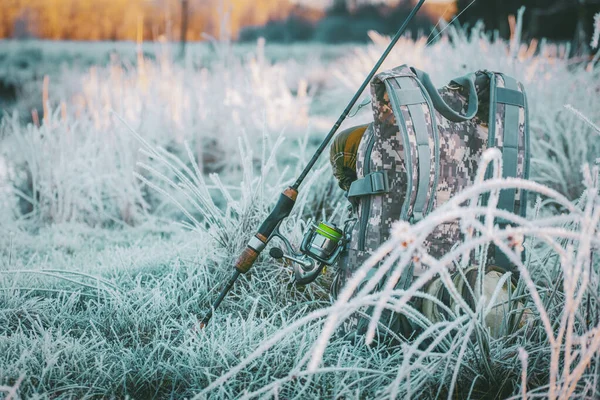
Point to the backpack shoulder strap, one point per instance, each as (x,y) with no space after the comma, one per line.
(412,104)
(514,101)
(415,117)
(509,105)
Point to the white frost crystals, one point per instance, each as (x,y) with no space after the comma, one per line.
(81,159)
(7,198)
(596,36)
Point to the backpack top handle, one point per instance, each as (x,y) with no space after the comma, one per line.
(440,105)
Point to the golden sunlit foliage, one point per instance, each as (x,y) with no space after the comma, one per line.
(126,19)
(121,19)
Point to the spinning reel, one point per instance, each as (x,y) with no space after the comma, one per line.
(321,246)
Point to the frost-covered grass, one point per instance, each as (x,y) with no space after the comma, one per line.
(25,63)
(124,206)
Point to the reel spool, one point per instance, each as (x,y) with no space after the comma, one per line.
(323,243)
(321,246)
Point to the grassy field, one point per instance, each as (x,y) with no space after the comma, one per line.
(127,194)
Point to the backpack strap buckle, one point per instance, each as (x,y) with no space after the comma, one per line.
(416,217)
(374,183)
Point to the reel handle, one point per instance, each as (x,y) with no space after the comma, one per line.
(278,254)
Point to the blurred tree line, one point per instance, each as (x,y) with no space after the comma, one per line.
(280,20)
(126,19)
(350,20)
(343,21)
(187,20)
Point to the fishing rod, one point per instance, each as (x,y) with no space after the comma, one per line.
(323,242)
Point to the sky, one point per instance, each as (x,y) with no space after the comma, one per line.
(327,3)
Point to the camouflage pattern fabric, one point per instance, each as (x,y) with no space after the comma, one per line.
(390,145)
(461,147)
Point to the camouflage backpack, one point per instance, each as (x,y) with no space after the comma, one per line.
(423,147)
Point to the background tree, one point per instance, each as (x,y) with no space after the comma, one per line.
(184,25)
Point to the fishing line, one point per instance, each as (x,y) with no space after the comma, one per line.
(439,21)
(450,23)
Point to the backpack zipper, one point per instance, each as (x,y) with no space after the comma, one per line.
(366,203)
